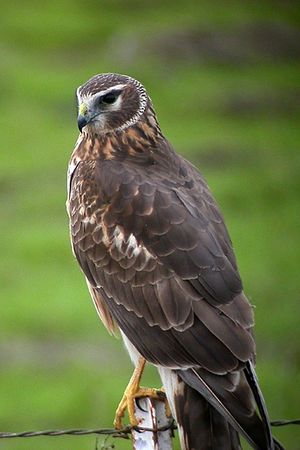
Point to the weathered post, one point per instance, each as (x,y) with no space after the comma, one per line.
(151,414)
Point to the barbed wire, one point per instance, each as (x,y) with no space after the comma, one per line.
(123,433)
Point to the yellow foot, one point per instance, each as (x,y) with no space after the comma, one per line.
(134,391)
(128,402)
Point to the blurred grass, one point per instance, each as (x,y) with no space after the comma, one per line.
(237,120)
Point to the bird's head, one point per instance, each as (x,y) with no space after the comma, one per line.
(109,102)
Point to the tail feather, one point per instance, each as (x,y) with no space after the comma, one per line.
(200,425)
(203,427)
(236,404)
(212,410)
(254,386)
(192,378)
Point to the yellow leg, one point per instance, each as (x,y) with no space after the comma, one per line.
(133,391)
(167,406)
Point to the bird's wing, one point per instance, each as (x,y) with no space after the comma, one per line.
(102,309)
(155,256)
(179,222)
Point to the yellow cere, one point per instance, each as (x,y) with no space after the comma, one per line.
(83,109)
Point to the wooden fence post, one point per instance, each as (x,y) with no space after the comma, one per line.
(151,413)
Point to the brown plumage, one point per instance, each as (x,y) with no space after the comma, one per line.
(159,264)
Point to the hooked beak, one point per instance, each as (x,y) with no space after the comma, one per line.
(81,122)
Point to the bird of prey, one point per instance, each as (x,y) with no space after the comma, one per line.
(160,267)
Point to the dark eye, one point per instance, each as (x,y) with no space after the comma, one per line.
(109,98)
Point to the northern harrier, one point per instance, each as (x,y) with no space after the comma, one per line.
(159,264)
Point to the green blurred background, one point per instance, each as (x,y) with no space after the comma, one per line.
(224,77)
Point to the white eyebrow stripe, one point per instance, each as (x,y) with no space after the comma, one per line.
(117,86)
(89,96)
(107,91)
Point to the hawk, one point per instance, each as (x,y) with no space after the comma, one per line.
(160,267)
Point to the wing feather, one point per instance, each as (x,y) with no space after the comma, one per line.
(150,246)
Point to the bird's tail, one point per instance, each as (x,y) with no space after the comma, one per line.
(200,426)
(211,411)
(236,396)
